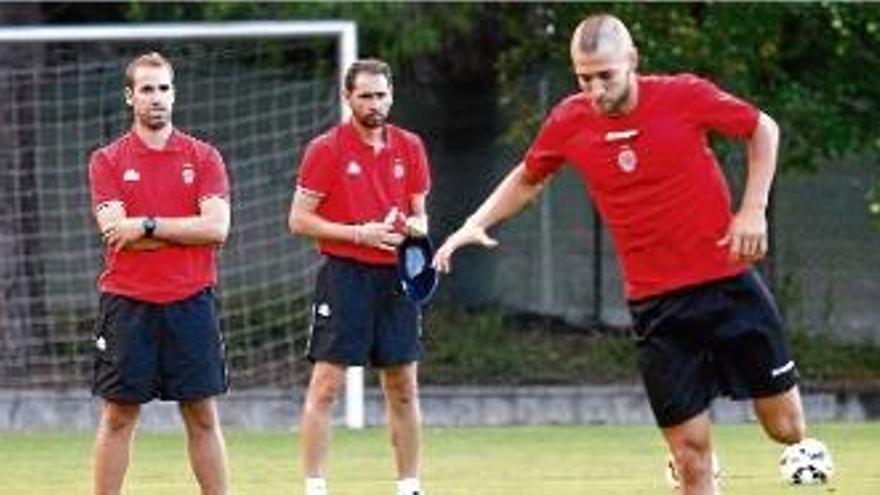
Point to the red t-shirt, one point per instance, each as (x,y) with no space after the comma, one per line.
(162,183)
(653,177)
(357,185)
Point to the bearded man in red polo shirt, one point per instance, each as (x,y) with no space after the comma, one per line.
(361,187)
(161,200)
(705,323)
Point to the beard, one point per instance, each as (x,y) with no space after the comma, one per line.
(373,120)
(615,106)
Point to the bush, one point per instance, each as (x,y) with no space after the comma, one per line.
(487,347)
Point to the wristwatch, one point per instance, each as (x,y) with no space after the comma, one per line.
(149,226)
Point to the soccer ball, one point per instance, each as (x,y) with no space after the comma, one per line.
(674,481)
(806,463)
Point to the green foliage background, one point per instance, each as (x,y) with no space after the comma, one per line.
(815,67)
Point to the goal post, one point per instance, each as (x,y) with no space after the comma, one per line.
(259,106)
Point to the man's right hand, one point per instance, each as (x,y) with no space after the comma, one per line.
(467,234)
(380,235)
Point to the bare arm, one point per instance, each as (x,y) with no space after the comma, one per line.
(417,223)
(508,198)
(303,220)
(747,234)
(209,227)
(110,217)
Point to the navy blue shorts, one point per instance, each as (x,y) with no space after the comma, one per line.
(360,316)
(719,338)
(172,351)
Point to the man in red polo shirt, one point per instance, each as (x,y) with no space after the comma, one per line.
(705,324)
(161,201)
(361,187)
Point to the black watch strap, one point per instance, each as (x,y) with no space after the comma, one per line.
(149,225)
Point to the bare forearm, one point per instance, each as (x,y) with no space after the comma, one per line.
(146,245)
(762,149)
(511,195)
(194,230)
(313,225)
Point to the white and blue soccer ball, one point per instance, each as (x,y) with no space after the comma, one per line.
(807,462)
(674,481)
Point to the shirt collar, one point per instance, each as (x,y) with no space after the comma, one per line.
(351,134)
(175,143)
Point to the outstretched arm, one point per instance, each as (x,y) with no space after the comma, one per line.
(747,235)
(511,195)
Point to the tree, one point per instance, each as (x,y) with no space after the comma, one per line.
(815,67)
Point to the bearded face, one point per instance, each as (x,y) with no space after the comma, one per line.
(370,100)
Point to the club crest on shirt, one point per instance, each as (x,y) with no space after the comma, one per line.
(626,159)
(353,168)
(188,173)
(131,175)
(398,170)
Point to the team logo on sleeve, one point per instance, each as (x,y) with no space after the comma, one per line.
(353,168)
(626,159)
(398,170)
(188,173)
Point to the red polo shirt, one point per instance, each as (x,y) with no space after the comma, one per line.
(163,183)
(653,177)
(357,185)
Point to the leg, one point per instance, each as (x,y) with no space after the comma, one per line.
(691,446)
(400,385)
(207,451)
(327,379)
(782,416)
(112,445)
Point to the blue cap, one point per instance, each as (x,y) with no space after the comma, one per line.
(417,276)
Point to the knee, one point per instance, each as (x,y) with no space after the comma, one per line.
(118,418)
(200,416)
(401,395)
(787,429)
(321,396)
(693,460)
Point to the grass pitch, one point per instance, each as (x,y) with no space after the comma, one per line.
(557,460)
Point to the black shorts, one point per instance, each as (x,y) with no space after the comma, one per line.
(719,338)
(172,351)
(360,316)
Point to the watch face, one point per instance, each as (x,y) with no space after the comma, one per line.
(149,226)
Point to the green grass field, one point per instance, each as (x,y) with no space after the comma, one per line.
(462,461)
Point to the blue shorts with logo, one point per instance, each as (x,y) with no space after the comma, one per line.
(361,316)
(719,338)
(172,351)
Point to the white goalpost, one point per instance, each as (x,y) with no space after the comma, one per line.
(258,90)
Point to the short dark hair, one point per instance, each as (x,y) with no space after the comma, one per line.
(151,59)
(369,66)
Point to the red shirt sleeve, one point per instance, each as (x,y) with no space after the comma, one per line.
(544,157)
(103,185)
(316,167)
(419,177)
(715,109)
(214,181)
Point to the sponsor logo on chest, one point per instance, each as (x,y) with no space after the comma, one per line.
(627,161)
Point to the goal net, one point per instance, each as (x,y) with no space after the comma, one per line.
(257,91)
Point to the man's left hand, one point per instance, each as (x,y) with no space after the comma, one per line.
(747,235)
